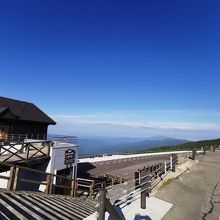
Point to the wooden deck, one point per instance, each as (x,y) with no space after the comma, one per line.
(36,206)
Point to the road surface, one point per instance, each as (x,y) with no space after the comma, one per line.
(195,194)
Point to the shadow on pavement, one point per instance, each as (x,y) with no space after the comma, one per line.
(141,217)
(83,169)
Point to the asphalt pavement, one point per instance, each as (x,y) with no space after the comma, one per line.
(196,193)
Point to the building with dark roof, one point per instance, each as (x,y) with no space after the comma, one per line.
(23,118)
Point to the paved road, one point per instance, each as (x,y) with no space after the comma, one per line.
(195,194)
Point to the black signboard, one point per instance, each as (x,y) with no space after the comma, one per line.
(69,156)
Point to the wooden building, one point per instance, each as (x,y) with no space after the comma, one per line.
(23,118)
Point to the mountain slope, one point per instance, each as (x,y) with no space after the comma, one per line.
(184,146)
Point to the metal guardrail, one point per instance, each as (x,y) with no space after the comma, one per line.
(145,180)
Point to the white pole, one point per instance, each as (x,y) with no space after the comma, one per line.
(171,162)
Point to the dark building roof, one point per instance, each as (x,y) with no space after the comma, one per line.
(11,109)
(3,109)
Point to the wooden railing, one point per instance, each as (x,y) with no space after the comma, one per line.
(85,185)
(48,180)
(24,151)
(112,179)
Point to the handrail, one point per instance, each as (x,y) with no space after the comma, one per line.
(34,136)
(40,171)
(86,180)
(65,139)
(23,150)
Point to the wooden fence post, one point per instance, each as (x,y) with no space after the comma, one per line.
(101,204)
(48,186)
(137,179)
(28,148)
(11,179)
(112,211)
(204,150)
(193,154)
(105,205)
(16,178)
(91,189)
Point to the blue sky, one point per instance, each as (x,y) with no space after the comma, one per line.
(118,68)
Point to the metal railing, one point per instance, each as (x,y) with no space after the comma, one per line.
(64,139)
(145,180)
(32,136)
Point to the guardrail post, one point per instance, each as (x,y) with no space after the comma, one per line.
(145,185)
(174,162)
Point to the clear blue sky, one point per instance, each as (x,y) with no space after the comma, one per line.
(126,68)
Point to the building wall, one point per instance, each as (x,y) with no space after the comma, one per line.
(58,156)
(35,131)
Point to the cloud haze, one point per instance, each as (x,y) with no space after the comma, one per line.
(192,124)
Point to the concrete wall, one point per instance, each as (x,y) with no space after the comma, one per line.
(57,154)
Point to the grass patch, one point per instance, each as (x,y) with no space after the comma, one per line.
(167,182)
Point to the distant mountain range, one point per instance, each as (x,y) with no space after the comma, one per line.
(89,146)
(112,145)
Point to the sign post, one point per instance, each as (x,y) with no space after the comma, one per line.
(69,159)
